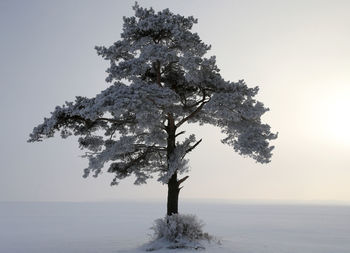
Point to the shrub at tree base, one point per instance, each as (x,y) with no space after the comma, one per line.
(178,231)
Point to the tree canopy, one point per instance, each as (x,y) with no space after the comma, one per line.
(159,79)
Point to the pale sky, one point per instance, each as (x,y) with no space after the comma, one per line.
(298,52)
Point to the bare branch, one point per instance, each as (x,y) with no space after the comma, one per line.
(194,146)
(182,180)
(182,132)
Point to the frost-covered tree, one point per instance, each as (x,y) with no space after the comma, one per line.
(160,80)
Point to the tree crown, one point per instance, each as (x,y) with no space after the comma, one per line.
(160,79)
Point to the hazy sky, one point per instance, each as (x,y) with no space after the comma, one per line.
(298,52)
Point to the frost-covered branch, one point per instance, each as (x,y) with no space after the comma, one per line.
(201,103)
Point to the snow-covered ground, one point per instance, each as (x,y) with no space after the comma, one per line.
(123,227)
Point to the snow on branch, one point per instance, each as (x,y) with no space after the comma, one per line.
(177,161)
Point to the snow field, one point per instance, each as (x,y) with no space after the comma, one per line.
(106,227)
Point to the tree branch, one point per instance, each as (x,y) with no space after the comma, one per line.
(158,73)
(182,180)
(192,114)
(182,132)
(116,121)
(203,101)
(194,146)
(150,148)
(167,67)
(133,161)
(111,136)
(91,123)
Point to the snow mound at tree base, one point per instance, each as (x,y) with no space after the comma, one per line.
(162,244)
(179,231)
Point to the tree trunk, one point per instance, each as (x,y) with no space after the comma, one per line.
(173,185)
(173,195)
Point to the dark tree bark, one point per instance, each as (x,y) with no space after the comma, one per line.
(173,185)
(173,195)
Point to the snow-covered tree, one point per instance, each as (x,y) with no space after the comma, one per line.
(160,80)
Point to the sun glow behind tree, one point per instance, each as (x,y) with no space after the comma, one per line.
(338,123)
(331,113)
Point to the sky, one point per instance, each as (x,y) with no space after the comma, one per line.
(297,52)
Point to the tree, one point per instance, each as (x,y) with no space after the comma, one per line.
(160,80)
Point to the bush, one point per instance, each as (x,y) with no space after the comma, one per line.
(180,228)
